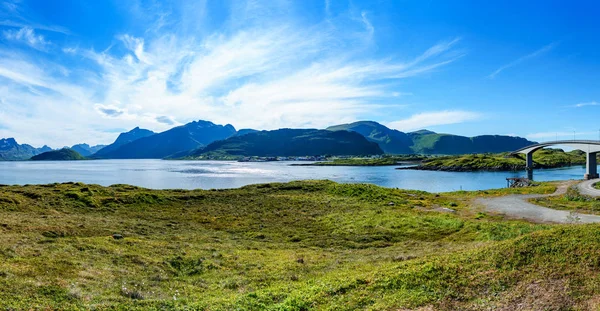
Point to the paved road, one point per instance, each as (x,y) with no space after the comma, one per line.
(587,188)
(516,206)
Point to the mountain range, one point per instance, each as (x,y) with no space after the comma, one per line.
(123,139)
(201,138)
(428,142)
(10,150)
(157,146)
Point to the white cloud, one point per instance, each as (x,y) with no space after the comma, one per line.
(110,111)
(428,119)
(260,78)
(166,120)
(539,52)
(368,26)
(592,103)
(28,36)
(274,73)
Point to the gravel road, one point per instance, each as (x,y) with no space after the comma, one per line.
(587,188)
(516,206)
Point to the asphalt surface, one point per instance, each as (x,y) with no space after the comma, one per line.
(516,206)
(587,188)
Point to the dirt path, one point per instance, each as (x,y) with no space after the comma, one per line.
(516,206)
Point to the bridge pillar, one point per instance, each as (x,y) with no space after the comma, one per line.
(529,161)
(529,165)
(591,166)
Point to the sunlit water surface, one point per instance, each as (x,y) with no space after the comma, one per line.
(159,174)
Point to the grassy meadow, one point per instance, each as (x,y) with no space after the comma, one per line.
(311,245)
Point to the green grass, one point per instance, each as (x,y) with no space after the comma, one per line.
(311,245)
(537,188)
(545,158)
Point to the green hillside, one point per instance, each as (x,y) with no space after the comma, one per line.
(291,142)
(434,143)
(390,141)
(65,154)
(545,158)
(428,142)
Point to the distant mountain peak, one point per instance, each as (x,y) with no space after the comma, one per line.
(138,129)
(145,144)
(123,139)
(201,122)
(390,140)
(423,132)
(8,141)
(11,150)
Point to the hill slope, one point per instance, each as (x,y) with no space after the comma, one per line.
(175,140)
(65,154)
(434,143)
(292,142)
(545,158)
(391,141)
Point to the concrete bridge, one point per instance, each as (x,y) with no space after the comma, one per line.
(590,147)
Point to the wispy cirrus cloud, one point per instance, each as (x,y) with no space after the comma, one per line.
(269,72)
(520,60)
(13,14)
(592,103)
(434,118)
(27,35)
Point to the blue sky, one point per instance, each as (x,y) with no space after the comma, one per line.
(82,71)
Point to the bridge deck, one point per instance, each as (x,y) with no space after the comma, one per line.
(583,145)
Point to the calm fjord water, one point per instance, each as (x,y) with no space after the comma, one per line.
(159,174)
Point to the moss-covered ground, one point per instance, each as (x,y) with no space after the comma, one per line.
(311,245)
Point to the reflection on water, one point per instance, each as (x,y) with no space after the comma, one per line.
(158,174)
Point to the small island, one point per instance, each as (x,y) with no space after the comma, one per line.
(546,158)
(385,160)
(65,154)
